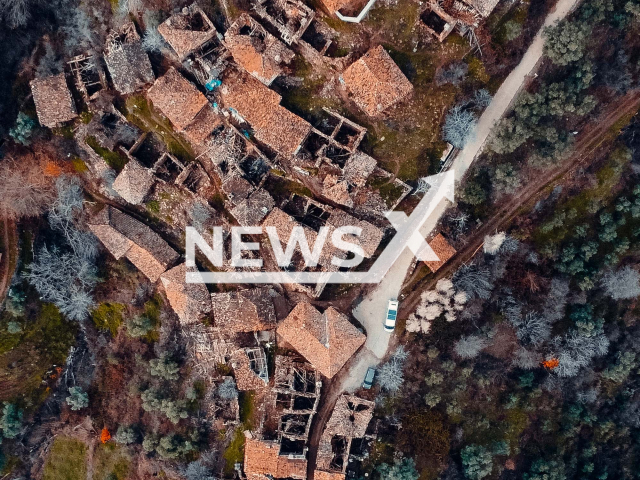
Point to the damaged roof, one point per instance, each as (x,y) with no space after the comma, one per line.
(125,236)
(370,235)
(375,82)
(248,310)
(350,417)
(126,60)
(177,98)
(187,31)
(327,340)
(272,124)
(54,104)
(134,182)
(261,459)
(252,210)
(246,377)
(190,301)
(256,50)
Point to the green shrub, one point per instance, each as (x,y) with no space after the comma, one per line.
(108,316)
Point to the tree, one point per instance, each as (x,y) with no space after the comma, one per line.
(152,41)
(125,435)
(477,462)
(77,399)
(505,179)
(24,190)
(492,243)
(566,41)
(11,421)
(453,74)
(474,280)
(198,471)
(15,12)
(164,367)
(173,446)
(482,98)
(459,126)
(23,128)
(469,346)
(512,30)
(227,389)
(623,284)
(546,470)
(391,375)
(139,326)
(404,469)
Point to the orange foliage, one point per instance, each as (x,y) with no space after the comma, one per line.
(105,436)
(51,168)
(551,363)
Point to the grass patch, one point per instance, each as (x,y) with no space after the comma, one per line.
(153,206)
(108,316)
(234,453)
(115,160)
(78,165)
(86,116)
(247,408)
(281,189)
(110,462)
(66,461)
(389,192)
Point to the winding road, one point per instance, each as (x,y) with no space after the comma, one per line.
(371,310)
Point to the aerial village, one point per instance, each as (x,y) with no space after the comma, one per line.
(215,99)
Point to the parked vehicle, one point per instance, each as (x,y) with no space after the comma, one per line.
(368,378)
(392,313)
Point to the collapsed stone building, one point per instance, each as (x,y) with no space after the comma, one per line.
(54,104)
(440,18)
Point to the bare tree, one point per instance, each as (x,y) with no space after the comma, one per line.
(469,346)
(474,280)
(623,284)
(459,126)
(15,12)
(24,190)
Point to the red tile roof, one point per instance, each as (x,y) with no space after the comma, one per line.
(261,458)
(177,98)
(327,340)
(375,82)
(442,249)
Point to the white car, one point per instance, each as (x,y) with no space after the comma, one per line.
(392,313)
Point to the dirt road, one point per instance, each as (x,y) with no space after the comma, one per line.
(587,144)
(9,254)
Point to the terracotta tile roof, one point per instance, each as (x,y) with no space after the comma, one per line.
(271,123)
(375,82)
(53,100)
(134,182)
(253,209)
(199,130)
(350,417)
(116,243)
(147,250)
(322,475)
(190,301)
(177,98)
(327,340)
(336,190)
(258,52)
(188,30)
(442,249)
(249,310)
(369,238)
(246,378)
(261,459)
(126,60)
(336,5)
